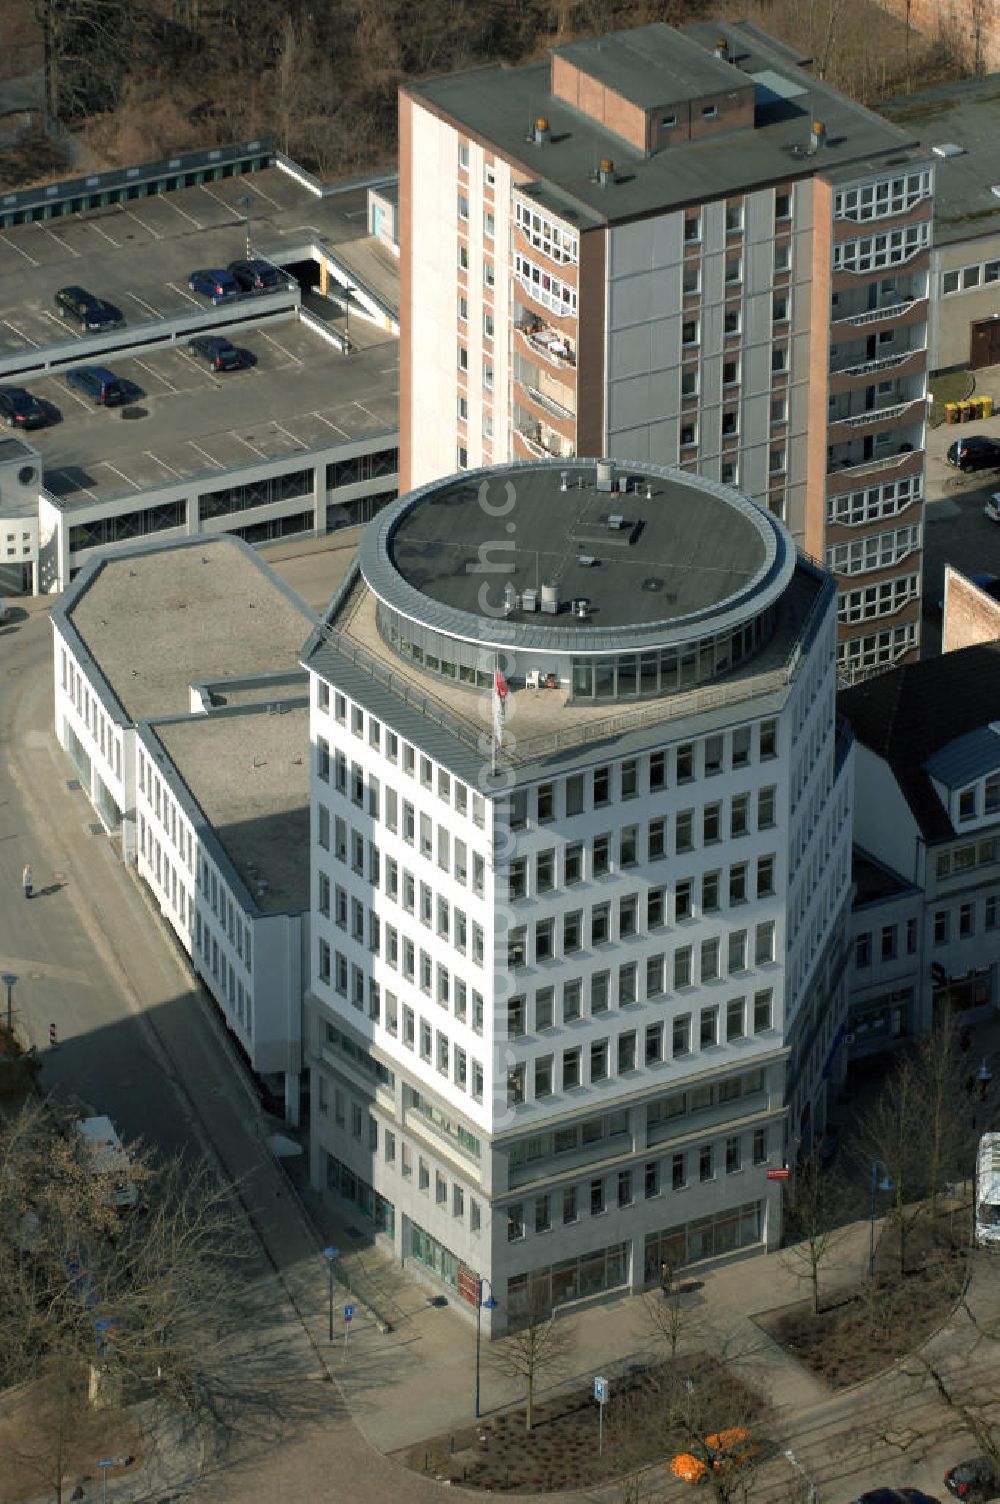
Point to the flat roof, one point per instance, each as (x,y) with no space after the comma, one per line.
(681,550)
(651,65)
(964,114)
(248,772)
(139,255)
(156,620)
(296,393)
(446,717)
(498,104)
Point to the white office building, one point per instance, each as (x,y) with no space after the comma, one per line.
(574,994)
(181,705)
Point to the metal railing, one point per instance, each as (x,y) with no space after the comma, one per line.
(539,347)
(888,462)
(874,414)
(868,367)
(877,315)
(554,409)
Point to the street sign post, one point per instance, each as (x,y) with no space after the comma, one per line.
(602,1391)
(104,1463)
(348,1318)
(781,1174)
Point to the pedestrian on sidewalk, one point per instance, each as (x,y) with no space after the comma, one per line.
(666,1277)
(27,880)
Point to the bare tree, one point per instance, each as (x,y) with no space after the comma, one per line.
(814,1216)
(938,1079)
(538,1349)
(721,1417)
(892,1136)
(104,1304)
(671,1315)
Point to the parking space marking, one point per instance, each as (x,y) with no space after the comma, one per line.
(19,333)
(184,294)
(59,240)
(20,250)
(256,188)
(156,459)
(122,476)
(148,228)
(168,199)
(335,426)
(234,212)
(93,225)
(155,374)
(294,359)
(215,464)
(77,485)
(294,437)
(71,391)
(156,312)
(252,447)
(66,328)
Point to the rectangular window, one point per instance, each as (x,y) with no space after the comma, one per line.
(735,1019)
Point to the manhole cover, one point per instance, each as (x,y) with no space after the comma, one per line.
(652,583)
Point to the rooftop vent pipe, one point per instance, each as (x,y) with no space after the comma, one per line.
(541,132)
(722,49)
(817,136)
(606,172)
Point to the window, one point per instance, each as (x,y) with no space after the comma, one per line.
(765,808)
(543,1218)
(463,157)
(941,927)
(626,1053)
(710,960)
(863,951)
(573,864)
(570,1069)
(706,1169)
(678,1172)
(624,1188)
(572,992)
(682,966)
(515,1222)
(708,1031)
(654,1044)
(543,1008)
(569,1205)
(737,950)
(966,920)
(709,111)
(572,931)
(463,206)
(692,226)
(489,224)
(596,1197)
(762,1011)
(689,381)
(734,1156)
(681,1036)
(689,332)
(651,1179)
(601,786)
(765,877)
(764,943)
(543,1076)
(599,1060)
(488,325)
(782,205)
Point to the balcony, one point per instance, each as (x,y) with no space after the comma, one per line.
(907,303)
(878,420)
(853,361)
(547,343)
(903,455)
(541,443)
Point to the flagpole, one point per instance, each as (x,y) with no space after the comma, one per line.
(493,743)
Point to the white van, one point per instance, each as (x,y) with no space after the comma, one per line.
(988,1189)
(109,1154)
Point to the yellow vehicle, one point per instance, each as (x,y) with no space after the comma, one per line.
(731,1448)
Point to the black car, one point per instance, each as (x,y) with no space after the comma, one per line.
(22,409)
(895,1496)
(220,354)
(976,1480)
(91,313)
(256,275)
(977,452)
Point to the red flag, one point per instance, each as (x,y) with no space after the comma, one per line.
(500,685)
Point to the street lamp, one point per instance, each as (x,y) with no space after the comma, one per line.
(8,979)
(247,203)
(489,1304)
(813,1492)
(330,1254)
(885,1184)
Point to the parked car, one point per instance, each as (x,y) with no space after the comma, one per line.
(100,385)
(22,409)
(220,354)
(256,275)
(214,284)
(723,1449)
(90,312)
(977,452)
(895,1496)
(992,507)
(976,1480)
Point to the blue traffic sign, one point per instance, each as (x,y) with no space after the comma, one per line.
(348,1313)
(602,1391)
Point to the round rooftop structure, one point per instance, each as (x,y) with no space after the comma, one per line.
(622,581)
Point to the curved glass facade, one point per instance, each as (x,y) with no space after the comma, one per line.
(612,677)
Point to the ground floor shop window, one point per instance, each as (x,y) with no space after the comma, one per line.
(542,1290)
(368,1201)
(705,1238)
(434,1255)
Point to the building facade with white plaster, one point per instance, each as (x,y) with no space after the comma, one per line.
(572,995)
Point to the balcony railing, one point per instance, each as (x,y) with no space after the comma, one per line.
(887,462)
(876,315)
(534,441)
(874,414)
(547,343)
(556,409)
(883,363)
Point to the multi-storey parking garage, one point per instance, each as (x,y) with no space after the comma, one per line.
(577,978)
(301,439)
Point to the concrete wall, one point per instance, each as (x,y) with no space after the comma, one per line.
(883,815)
(955,312)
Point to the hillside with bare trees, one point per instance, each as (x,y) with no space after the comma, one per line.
(137,79)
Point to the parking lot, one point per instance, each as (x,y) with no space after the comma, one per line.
(139,255)
(295,392)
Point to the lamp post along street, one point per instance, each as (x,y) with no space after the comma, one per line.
(490,1305)
(8,980)
(330,1254)
(885,1184)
